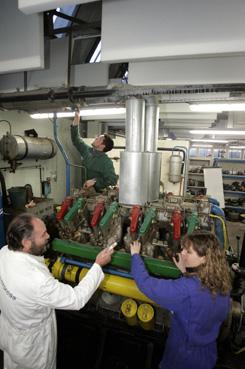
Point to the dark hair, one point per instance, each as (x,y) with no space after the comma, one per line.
(214,273)
(20,228)
(108,142)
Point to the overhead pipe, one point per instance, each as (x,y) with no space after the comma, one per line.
(67,161)
(71,94)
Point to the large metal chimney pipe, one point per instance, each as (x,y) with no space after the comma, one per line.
(135,124)
(151,143)
(140,170)
(151,126)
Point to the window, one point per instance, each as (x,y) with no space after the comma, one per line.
(96,57)
(235,154)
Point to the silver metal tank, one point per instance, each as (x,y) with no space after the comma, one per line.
(175,165)
(135,122)
(133,179)
(154,175)
(15,147)
(139,177)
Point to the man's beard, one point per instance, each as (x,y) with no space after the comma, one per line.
(38,250)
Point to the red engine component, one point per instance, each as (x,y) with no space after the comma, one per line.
(98,211)
(135,215)
(66,204)
(176,220)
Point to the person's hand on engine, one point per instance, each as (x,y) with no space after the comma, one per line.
(89,183)
(135,247)
(104,256)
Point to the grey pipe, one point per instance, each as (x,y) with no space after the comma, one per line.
(151,127)
(135,121)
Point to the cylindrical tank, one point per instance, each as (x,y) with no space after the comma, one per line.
(139,177)
(15,147)
(151,127)
(135,122)
(175,165)
(154,175)
(133,178)
(129,310)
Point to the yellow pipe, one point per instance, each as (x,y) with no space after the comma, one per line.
(224,229)
(111,283)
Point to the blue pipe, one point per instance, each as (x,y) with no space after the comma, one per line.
(68,165)
(216,210)
(65,260)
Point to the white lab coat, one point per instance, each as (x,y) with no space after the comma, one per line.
(28,296)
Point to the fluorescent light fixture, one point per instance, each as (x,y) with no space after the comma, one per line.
(51,115)
(83,113)
(102,111)
(201,145)
(209,140)
(217,108)
(217,132)
(237,147)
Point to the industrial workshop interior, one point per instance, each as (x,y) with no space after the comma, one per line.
(165,79)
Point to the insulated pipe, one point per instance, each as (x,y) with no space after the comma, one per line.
(151,126)
(135,121)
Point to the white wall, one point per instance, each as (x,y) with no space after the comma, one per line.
(54,168)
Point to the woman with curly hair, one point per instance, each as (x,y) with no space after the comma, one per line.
(199,301)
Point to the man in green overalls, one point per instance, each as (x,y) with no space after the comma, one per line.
(100,172)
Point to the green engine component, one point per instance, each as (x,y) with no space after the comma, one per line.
(74,209)
(119,259)
(192,222)
(149,217)
(108,215)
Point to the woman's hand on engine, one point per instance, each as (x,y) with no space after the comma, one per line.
(135,247)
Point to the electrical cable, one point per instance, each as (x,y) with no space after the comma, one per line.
(4,120)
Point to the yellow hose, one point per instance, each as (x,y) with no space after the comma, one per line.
(224,229)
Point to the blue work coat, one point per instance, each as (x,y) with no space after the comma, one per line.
(195,321)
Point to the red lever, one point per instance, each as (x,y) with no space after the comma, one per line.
(98,211)
(176,220)
(135,215)
(66,204)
